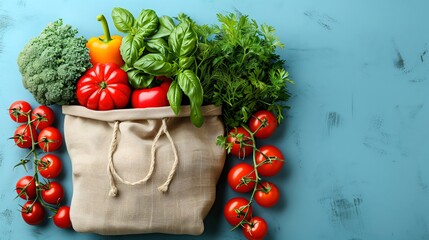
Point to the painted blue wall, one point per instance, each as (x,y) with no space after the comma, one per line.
(355,138)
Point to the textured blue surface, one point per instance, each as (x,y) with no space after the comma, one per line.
(355,138)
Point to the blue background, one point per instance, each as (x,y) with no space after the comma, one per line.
(355,138)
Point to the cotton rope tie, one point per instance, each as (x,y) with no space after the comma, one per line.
(112,171)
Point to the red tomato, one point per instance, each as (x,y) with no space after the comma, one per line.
(263,124)
(240,139)
(42,117)
(19,111)
(104,87)
(62,217)
(151,97)
(235,210)
(270,160)
(242,177)
(26,188)
(24,135)
(256,229)
(53,193)
(50,166)
(50,139)
(267,195)
(33,213)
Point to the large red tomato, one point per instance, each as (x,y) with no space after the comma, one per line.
(242,177)
(151,97)
(104,87)
(270,160)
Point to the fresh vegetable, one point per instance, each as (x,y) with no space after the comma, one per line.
(264,123)
(26,188)
(33,212)
(23,135)
(50,166)
(267,195)
(239,68)
(151,97)
(50,139)
(237,210)
(105,48)
(242,178)
(19,111)
(42,117)
(157,46)
(62,217)
(270,160)
(104,87)
(52,193)
(255,229)
(239,142)
(51,64)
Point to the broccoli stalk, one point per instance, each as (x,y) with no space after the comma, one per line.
(51,64)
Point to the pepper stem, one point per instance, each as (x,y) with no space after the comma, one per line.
(107,37)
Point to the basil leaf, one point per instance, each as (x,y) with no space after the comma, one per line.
(174,96)
(191,86)
(131,48)
(157,45)
(147,22)
(155,64)
(122,19)
(165,28)
(197,117)
(183,39)
(139,79)
(186,62)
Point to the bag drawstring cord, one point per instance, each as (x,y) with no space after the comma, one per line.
(112,171)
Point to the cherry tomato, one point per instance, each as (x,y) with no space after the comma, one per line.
(42,117)
(33,214)
(242,177)
(62,217)
(50,139)
(23,136)
(263,123)
(26,188)
(267,195)
(256,229)
(235,210)
(238,137)
(270,160)
(50,166)
(19,111)
(53,193)
(151,97)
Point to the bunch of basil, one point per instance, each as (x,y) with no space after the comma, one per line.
(157,46)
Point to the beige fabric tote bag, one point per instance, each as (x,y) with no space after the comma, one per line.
(142,170)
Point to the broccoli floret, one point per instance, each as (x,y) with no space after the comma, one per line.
(51,64)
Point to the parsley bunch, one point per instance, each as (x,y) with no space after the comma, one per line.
(239,69)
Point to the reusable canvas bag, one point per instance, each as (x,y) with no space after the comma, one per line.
(142,170)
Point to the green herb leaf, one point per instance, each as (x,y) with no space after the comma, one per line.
(131,48)
(155,64)
(197,117)
(165,28)
(138,79)
(191,86)
(147,22)
(183,39)
(186,62)
(157,45)
(122,19)
(174,96)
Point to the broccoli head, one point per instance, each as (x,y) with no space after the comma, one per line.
(51,64)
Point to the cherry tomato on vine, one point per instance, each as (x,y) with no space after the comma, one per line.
(62,217)
(242,177)
(263,123)
(50,166)
(42,117)
(19,111)
(267,195)
(256,229)
(33,214)
(26,187)
(52,193)
(23,136)
(270,160)
(238,137)
(235,210)
(50,139)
